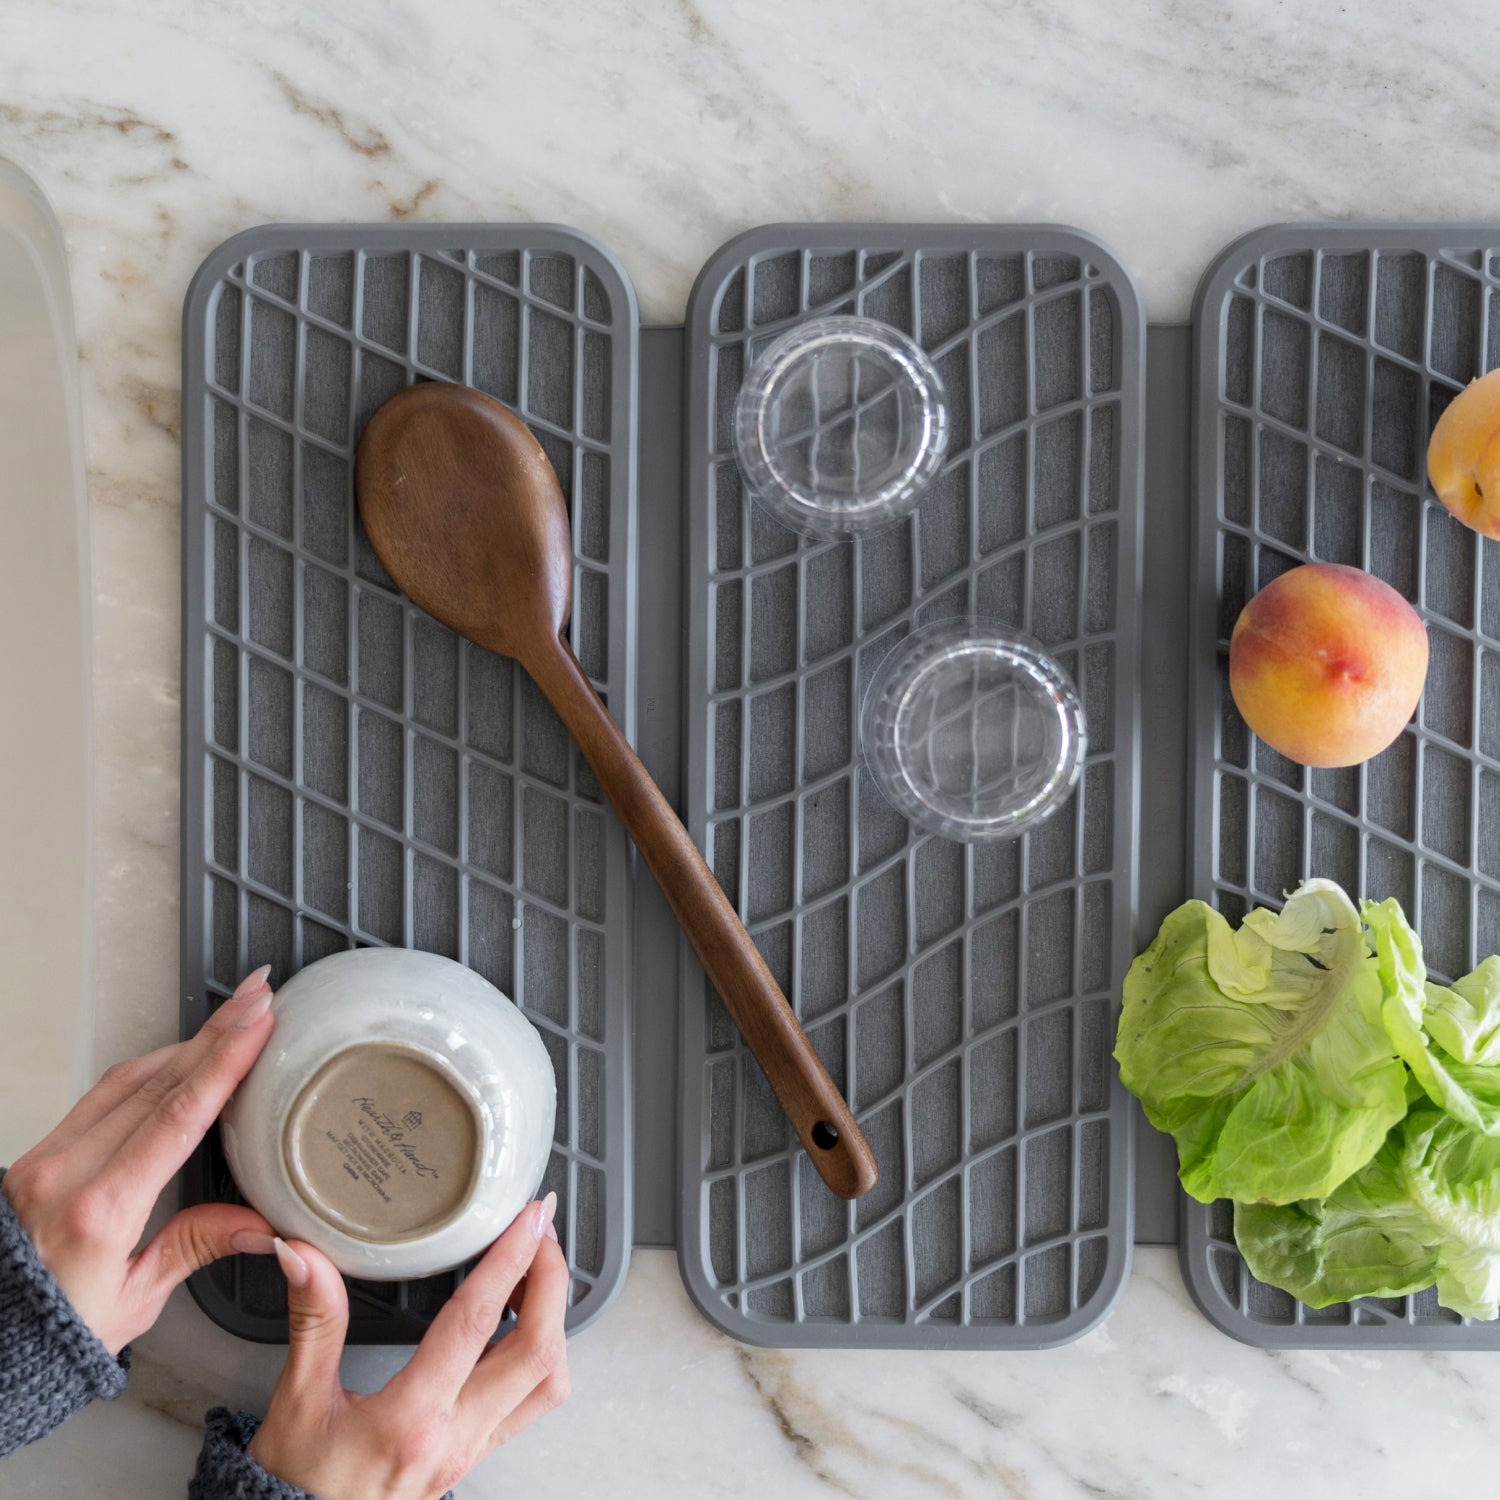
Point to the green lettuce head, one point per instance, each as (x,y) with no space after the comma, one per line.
(1426,1209)
(1448,1035)
(1262,1051)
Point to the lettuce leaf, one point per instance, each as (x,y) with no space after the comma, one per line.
(1449,1036)
(1262,1051)
(1425,1210)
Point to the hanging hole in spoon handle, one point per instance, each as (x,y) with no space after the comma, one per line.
(809,1097)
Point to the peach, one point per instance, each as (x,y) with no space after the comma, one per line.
(1326,663)
(1463,458)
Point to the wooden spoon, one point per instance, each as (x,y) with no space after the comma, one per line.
(463,508)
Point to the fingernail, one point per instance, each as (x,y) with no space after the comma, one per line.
(544,1212)
(249,1242)
(251,982)
(293,1267)
(254,1010)
(550,1230)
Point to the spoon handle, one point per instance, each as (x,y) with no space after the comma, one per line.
(817,1110)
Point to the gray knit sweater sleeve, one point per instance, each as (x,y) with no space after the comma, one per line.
(51,1365)
(227,1472)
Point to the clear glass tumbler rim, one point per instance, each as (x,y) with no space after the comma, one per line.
(892,745)
(802,502)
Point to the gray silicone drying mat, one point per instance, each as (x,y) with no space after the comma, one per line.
(1323,356)
(355,775)
(963,996)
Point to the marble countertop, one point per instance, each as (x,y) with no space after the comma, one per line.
(158,129)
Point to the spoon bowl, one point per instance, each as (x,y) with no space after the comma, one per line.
(462,506)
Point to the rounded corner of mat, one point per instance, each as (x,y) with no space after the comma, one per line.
(1192,1261)
(700,1294)
(1219,275)
(711,1306)
(604,1290)
(1211,1306)
(225,255)
(1093,1311)
(606,259)
(729,255)
(1100,254)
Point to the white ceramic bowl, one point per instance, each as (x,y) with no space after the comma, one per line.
(400,1116)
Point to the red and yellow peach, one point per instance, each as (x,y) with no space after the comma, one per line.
(1327,663)
(1463,458)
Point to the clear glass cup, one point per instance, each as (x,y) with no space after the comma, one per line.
(973,731)
(840,426)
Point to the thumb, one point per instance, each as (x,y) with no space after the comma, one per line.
(193,1239)
(317,1313)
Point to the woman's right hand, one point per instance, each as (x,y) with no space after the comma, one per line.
(459,1397)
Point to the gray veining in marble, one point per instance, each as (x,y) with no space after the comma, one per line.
(158,129)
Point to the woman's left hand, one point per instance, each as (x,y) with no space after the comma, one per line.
(85,1193)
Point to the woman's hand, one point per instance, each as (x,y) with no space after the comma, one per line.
(459,1398)
(85,1193)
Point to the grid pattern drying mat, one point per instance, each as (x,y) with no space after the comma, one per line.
(353,774)
(1323,357)
(963,996)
